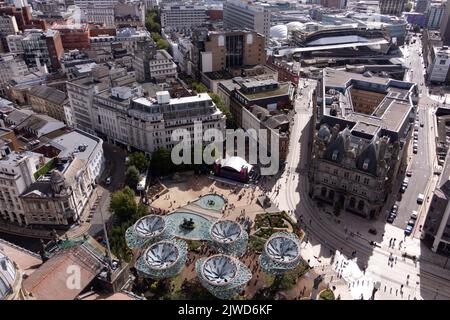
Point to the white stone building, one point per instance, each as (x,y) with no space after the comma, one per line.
(127,37)
(59,196)
(239,14)
(94,13)
(81,92)
(182,17)
(15,43)
(10,66)
(8,26)
(124,118)
(162,67)
(438,70)
(16,174)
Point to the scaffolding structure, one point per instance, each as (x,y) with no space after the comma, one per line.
(222,275)
(148,230)
(227,237)
(281,253)
(163,259)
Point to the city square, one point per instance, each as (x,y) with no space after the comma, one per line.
(224,150)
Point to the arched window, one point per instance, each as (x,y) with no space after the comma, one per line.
(352,202)
(360,205)
(331,194)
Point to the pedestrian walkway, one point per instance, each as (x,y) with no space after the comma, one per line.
(323,267)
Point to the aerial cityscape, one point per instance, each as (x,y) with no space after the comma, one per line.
(224,150)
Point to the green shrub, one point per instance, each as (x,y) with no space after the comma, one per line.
(327,294)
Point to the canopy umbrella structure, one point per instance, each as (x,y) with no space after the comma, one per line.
(281,253)
(163,259)
(222,275)
(228,237)
(147,230)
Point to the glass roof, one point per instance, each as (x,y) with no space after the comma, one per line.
(161,255)
(219,269)
(149,226)
(282,249)
(225,231)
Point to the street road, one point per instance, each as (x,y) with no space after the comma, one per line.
(423,162)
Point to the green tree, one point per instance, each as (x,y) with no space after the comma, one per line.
(123,206)
(117,242)
(153,21)
(132,177)
(221,106)
(162,44)
(139,160)
(161,162)
(156,36)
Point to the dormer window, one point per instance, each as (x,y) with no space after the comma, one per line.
(366,164)
(335,155)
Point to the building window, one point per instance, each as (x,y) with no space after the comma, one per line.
(352,202)
(335,155)
(360,205)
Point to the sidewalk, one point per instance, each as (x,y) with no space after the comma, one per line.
(323,267)
(14,229)
(86,216)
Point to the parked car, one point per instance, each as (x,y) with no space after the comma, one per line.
(408,230)
(391,218)
(108,181)
(415,150)
(411,222)
(420,198)
(394,208)
(409,173)
(373,231)
(438,170)
(414,215)
(403,188)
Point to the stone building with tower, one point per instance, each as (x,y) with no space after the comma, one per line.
(362,129)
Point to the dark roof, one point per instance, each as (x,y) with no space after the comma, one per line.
(338,145)
(370,157)
(48,93)
(274,122)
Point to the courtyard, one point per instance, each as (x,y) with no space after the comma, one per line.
(205,200)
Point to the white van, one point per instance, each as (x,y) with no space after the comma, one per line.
(420,198)
(414,215)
